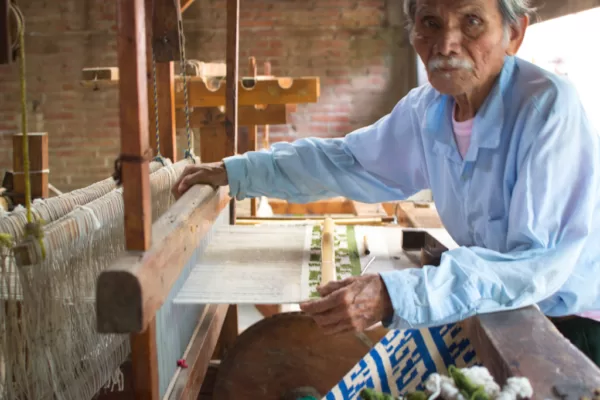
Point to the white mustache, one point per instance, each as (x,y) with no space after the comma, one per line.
(438,62)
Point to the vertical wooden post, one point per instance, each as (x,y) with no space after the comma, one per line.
(135,153)
(252,136)
(5,39)
(38,166)
(266,128)
(231,102)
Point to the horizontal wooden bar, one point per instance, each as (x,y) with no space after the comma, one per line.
(273,114)
(252,91)
(130,292)
(524,343)
(337,205)
(187,382)
(294,220)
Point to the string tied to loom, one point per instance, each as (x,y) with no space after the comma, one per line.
(118,172)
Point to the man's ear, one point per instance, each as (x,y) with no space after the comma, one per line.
(517,34)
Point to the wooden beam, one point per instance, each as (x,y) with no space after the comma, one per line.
(203,343)
(232,85)
(131,291)
(135,174)
(337,205)
(252,91)
(525,343)
(273,114)
(38,166)
(6,54)
(166,22)
(135,150)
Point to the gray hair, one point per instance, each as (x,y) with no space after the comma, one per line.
(511,10)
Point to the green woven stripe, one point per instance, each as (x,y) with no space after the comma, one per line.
(353,251)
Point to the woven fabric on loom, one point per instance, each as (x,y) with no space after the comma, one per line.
(401,362)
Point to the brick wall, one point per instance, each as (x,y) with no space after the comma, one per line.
(357,47)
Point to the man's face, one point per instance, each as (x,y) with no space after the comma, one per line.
(462,43)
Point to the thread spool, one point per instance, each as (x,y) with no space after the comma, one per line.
(328,273)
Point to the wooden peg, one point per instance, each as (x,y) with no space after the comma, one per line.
(328,272)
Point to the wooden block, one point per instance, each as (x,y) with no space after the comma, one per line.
(166,18)
(130,292)
(523,342)
(255,91)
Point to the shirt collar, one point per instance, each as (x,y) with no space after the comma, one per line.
(488,123)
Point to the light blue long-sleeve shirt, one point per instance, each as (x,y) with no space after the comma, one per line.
(523,205)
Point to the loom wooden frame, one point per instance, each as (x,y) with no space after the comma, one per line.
(134,126)
(201,206)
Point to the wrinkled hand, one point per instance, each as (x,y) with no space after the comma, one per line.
(213,174)
(353,304)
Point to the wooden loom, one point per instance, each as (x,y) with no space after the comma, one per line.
(131,293)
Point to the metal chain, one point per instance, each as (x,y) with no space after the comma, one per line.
(190,138)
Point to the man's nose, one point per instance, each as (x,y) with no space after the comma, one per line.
(448,42)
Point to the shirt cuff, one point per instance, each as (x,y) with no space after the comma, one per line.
(401,295)
(237,173)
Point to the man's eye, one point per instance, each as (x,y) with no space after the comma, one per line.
(473,21)
(429,22)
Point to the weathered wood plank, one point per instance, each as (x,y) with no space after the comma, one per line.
(144,358)
(131,291)
(231,85)
(525,343)
(264,91)
(135,173)
(133,113)
(189,381)
(520,342)
(166,18)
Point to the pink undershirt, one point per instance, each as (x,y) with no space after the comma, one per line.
(462,136)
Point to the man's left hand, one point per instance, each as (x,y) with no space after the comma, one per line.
(353,304)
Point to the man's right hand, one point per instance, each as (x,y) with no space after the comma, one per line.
(213,174)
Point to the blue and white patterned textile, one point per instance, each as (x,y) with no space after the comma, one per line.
(403,359)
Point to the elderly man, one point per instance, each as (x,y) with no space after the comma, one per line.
(512,161)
